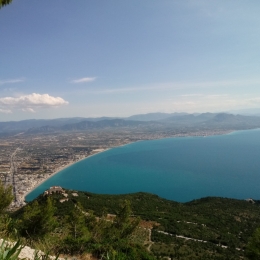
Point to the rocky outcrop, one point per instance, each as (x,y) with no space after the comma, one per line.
(27,252)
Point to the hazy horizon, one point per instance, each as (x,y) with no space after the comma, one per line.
(117,59)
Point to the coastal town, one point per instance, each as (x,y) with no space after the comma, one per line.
(28,160)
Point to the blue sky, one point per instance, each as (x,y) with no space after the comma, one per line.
(118,58)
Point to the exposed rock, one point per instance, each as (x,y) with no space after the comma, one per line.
(27,252)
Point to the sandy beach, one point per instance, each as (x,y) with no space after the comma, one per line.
(97,151)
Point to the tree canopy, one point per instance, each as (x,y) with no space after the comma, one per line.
(4,2)
(6,196)
(37,219)
(253,247)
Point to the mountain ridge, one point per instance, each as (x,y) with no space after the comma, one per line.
(152,121)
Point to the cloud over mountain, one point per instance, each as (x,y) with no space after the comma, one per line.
(30,102)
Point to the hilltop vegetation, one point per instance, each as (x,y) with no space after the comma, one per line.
(137,226)
(226,224)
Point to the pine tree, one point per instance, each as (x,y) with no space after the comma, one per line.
(4,2)
(123,222)
(79,235)
(77,220)
(38,220)
(6,197)
(253,247)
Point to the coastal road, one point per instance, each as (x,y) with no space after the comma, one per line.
(13,172)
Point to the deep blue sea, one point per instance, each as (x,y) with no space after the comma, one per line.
(180,169)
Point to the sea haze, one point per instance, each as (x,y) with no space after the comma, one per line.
(180,169)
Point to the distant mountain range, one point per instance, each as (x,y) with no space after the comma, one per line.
(151,121)
(86,125)
(154,116)
(246,112)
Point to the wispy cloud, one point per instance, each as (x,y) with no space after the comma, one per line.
(254,101)
(180,86)
(122,90)
(192,95)
(11,81)
(83,80)
(5,111)
(30,102)
(207,103)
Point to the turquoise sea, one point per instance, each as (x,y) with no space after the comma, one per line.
(180,169)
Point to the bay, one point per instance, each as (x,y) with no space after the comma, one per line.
(179,169)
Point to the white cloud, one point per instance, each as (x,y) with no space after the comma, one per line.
(5,111)
(31,102)
(254,101)
(28,110)
(212,103)
(11,81)
(83,80)
(194,86)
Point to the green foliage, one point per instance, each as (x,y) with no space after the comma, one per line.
(114,237)
(253,247)
(7,226)
(82,226)
(219,221)
(77,223)
(6,197)
(10,252)
(78,235)
(4,2)
(47,256)
(127,253)
(37,219)
(73,246)
(123,226)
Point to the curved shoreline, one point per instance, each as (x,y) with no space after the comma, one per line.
(103,150)
(59,170)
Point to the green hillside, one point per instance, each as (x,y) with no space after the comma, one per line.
(141,225)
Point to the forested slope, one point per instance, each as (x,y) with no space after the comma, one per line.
(150,226)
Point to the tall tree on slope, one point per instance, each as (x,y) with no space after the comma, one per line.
(6,196)
(4,2)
